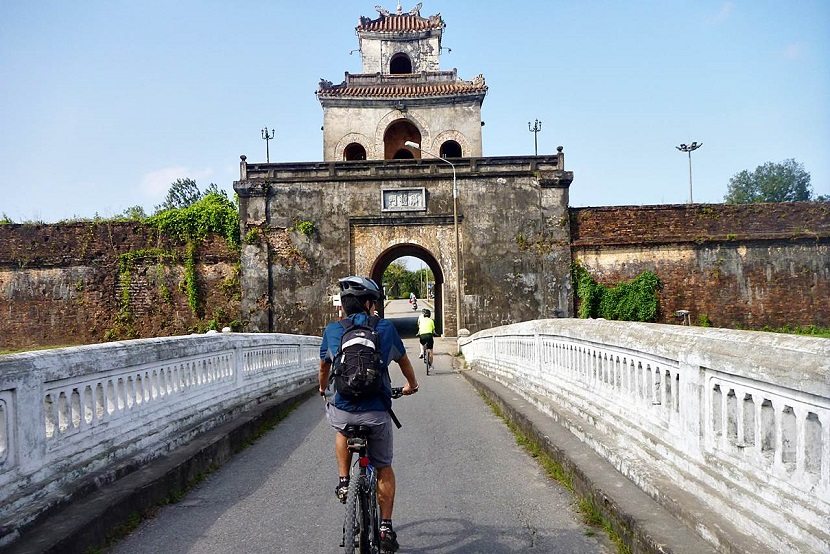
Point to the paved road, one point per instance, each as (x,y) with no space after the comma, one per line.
(463,485)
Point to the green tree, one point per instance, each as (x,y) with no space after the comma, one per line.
(395,280)
(182,193)
(135,213)
(213,188)
(771,182)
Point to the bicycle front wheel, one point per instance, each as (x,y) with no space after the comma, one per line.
(351,528)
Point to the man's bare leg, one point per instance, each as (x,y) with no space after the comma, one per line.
(344,457)
(386,491)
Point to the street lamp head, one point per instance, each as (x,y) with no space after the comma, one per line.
(689,147)
(411,144)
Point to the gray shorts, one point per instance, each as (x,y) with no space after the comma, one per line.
(380,440)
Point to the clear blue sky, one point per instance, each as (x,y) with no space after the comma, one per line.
(104,103)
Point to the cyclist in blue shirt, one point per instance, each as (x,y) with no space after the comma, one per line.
(358,296)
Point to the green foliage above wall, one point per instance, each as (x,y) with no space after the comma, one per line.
(634,300)
(214,213)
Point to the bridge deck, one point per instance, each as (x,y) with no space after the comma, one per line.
(463,486)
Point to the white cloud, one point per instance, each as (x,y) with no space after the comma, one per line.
(156,183)
(724,13)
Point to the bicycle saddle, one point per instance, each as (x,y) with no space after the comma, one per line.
(353,431)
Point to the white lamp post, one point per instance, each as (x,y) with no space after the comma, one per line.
(417,146)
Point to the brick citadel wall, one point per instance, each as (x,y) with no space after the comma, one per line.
(61,285)
(740,266)
(745,266)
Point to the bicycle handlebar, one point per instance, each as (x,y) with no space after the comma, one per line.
(397,392)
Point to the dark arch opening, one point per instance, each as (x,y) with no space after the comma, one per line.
(400,64)
(354,151)
(401,250)
(403,154)
(450,149)
(396,134)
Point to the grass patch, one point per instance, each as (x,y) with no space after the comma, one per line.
(33,348)
(807,330)
(591,514)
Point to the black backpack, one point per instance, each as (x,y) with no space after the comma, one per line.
(356,369)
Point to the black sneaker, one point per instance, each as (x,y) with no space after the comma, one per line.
(388,539)
(342,491)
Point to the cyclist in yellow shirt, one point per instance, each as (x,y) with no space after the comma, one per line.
(426,332)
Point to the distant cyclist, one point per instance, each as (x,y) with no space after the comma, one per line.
(359,296)
(426,333)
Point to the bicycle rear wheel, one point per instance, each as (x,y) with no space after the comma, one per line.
(351,528)
(365,538)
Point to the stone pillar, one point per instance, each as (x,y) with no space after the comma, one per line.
(254,256)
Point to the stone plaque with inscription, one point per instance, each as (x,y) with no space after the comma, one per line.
(403,200)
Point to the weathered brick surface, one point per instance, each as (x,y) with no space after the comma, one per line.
(59,283)
(744,266)
(617,225)
(741,266)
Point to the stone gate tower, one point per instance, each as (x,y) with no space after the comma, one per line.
(493,231)
(401,95)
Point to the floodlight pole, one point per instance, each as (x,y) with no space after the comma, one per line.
(537,126)
(268,138)
(417,146)
(690,148)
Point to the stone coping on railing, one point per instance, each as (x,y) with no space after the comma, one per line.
(740,419)
(74,418)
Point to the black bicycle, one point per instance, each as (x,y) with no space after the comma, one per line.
(427,358)
(361,526)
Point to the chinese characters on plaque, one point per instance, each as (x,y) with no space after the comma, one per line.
(403,200)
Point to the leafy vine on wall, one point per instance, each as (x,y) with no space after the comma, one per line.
(634,300)
(212,214)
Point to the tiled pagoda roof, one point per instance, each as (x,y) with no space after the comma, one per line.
(397,23)
(410,89)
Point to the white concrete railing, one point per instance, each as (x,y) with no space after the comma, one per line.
(68,413)
(740,419)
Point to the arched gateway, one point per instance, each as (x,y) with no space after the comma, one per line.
(493,230)
(395,252)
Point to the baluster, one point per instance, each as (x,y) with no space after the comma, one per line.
(50,416)
(100,403)
(87,407)
(4,436)
(724,419)
(778,448)
(824,421)
(677,392)
(739,417)
(801,443)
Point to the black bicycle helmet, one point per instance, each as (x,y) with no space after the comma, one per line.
(360,287)
(426,312)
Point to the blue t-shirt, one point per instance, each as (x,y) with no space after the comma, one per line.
(391,349)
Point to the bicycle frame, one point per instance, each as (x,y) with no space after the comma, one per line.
(427,361)
(361,524)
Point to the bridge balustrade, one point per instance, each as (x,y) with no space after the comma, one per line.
(740,419)
(69,414)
